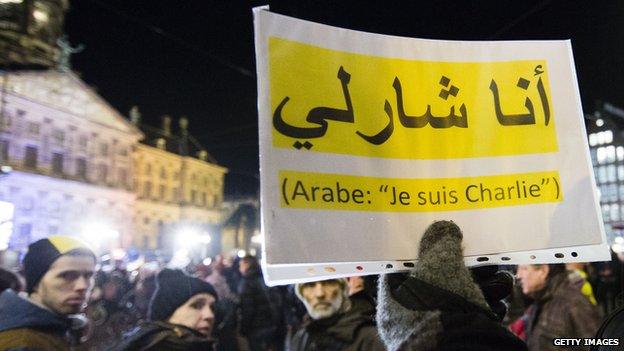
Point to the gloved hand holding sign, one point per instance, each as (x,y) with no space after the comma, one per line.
(439,306)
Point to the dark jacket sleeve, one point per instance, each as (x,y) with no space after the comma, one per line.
(247,292)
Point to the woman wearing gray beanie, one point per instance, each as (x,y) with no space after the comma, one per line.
(181,316)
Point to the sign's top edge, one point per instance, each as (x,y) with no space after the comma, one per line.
(264,9)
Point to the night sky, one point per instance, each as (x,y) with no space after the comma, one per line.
(196,58)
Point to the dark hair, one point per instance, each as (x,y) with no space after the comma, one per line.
(9,280)
(555,269)
(252,261)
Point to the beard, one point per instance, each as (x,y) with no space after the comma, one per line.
(325,309)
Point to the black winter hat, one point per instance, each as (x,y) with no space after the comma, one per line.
(42,253)
(173,289)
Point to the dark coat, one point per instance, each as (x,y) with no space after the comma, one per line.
(363,303)
(26,326)
(161,336)
(351,331)
(256,312)
(560,310)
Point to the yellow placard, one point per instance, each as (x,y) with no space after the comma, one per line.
(355,193)
(338,102)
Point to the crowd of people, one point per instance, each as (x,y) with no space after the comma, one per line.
(62,299)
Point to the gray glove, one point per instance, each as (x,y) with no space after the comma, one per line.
(438,306)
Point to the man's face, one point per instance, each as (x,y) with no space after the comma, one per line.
(197,313)
(322,299)
(355,284)
(65,287)
(243,266)
(532,278)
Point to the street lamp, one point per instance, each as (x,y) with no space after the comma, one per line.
(98,234)
(189,238)
(6,223)
(5,170)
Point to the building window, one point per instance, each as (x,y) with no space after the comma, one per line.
(193,196)
(103,149)
(24,231)
(594,157)
(102,173)
(5,121)
(601,155)
(81,168)
(615,212)
(606,213)
(123,177)
(57,163)
(30,159)
(27,204)
(82,141)
(163,173)
(610,153)
(4,150)
(58,136)
(600,138)
(611,174)
(163,192)
(203,197)
(147,189)
(175,194)
(148,169)
(593,139)
(602,174)
(33,128)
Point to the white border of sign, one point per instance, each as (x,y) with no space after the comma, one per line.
(282,269)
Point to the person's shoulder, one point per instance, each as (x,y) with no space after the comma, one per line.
(570,295)
(31,339)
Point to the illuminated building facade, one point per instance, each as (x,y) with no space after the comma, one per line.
(79,168)
(78,165)
(71,158)
(606,144)
(174,190)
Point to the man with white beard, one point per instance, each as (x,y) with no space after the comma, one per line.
(334,326)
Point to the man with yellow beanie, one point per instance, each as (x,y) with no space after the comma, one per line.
(59,277)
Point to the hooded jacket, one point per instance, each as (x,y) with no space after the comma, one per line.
(25,326)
